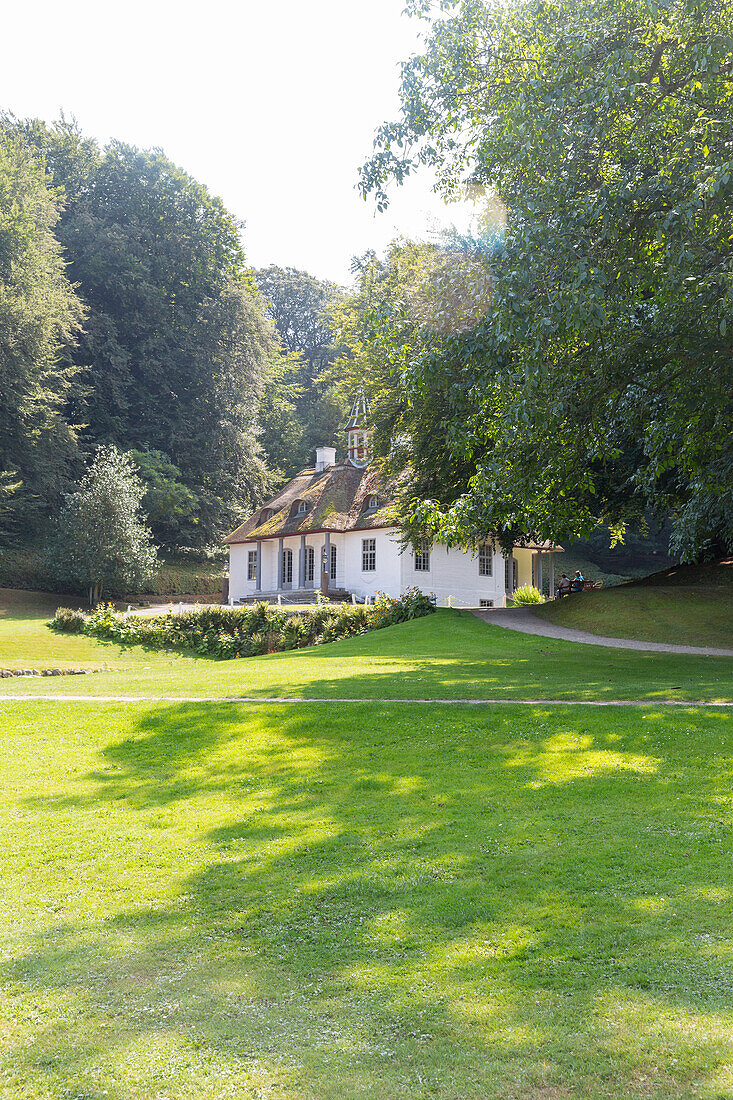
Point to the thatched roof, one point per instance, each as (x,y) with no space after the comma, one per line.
(336,500)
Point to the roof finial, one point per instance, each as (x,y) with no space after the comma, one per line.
(358,433)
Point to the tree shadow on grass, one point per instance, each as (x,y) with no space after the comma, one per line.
(464,657)
(425,902)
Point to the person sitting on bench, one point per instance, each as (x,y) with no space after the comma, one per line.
(578,582)
(563,588)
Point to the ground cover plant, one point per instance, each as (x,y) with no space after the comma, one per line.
(365,901)
(229,632)
(450,655)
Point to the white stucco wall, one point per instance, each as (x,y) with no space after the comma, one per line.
(387,576)
(453,575)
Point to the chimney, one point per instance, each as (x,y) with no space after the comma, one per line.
(325,457)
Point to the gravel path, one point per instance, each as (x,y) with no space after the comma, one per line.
(300,700)
(523,620)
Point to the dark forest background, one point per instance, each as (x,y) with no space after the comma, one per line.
(129,316)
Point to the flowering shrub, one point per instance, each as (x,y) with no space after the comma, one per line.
(227,632)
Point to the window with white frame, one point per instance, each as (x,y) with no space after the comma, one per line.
(422,556)
(368,555)
(310,564)
(486,603)
(485,560)
(332,570)
(302,508)
(251,565)
(287,567)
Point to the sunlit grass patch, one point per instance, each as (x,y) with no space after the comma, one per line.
(450,655)
(383,901)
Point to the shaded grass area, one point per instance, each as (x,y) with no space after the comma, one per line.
(451,654)
(677,614)
(366,901)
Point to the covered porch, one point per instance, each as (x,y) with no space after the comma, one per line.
(296,564)
(534,565)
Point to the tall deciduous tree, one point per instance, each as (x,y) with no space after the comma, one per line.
(601,376)
(176,344)
(301,410)
(39,317)
(101,543)
(405,307)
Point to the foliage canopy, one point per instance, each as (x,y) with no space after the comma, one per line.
(600,379)
(175,345)
(39,317)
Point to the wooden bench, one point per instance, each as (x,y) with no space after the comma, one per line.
(589,586)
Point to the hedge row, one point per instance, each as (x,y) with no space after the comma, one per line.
(243,631)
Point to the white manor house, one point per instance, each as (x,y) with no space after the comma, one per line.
(331,529)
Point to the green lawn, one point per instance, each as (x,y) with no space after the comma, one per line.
(448,655)
(678,614)
(365,901)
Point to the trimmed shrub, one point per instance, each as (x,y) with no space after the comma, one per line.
(229,632)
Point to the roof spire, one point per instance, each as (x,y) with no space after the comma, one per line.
(358,433)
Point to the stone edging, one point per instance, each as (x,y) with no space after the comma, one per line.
(7,672)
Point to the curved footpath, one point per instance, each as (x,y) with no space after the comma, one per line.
(523,620)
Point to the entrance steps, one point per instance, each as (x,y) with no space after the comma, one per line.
(295,596)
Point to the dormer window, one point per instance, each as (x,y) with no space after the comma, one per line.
(301,508)
(371,504)
(267,513)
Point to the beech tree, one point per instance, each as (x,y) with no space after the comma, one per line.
(599,381)
(175,345)
(39,317)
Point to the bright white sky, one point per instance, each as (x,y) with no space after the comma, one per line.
(272,105)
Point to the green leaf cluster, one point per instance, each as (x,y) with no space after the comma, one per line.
(300,407)
(40,315)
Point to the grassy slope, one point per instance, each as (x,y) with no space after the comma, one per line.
(448,655)
(687,605)
(219,901)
